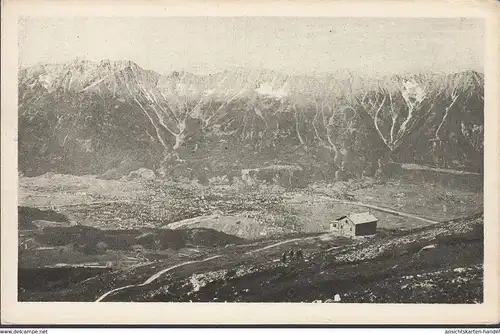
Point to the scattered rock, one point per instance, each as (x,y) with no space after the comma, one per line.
(142,173)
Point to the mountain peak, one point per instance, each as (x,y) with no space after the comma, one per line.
(82,74)
(127,77)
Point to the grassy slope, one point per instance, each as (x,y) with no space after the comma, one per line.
(389,269)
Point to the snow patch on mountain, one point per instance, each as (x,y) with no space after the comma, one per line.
(413,90)
(266,89)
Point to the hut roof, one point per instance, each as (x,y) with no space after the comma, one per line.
(360,218)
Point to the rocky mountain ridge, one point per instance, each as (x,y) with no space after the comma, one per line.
(85,117)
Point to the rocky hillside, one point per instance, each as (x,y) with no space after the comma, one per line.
(86,117)
(438,264)
(442,263)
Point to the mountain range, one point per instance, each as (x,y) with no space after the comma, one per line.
(84,117)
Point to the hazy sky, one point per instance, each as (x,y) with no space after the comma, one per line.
(203,45)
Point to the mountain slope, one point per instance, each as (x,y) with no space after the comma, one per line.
(430,265)
(435,264)
(86,118)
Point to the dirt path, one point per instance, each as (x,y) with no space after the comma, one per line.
(332,248)
(282,243)
(273,245)
(154,277)
(161,272)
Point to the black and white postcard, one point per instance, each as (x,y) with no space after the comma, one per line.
(188,162)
